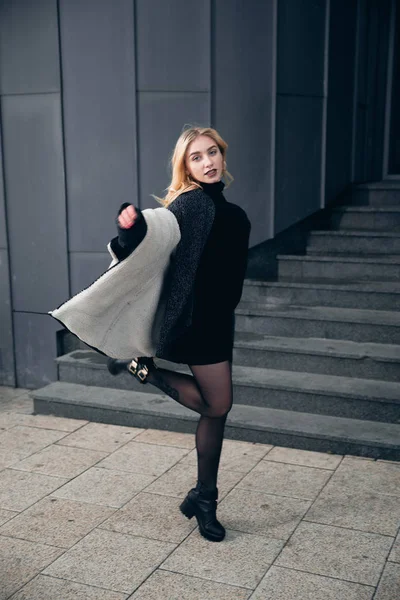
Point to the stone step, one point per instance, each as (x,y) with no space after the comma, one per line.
(315,355)
(254,424)
(332,267)
(319,321)
(307,392)
(371,218)
(353,242)
(346,294)
(382,193)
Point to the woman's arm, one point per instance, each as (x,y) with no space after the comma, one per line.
(132,229)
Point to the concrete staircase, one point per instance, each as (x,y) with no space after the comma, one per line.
(317,352)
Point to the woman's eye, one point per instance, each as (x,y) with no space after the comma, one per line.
(195,157)
(212,152)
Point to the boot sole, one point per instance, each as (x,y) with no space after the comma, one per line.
(189,511)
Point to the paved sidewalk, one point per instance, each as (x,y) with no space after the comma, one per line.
(90,512)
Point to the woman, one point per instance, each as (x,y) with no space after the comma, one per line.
(204,330)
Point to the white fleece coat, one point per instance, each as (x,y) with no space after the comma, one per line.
(121,313)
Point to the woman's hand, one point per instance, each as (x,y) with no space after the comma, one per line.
(127,217)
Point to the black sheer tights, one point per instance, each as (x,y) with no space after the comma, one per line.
(209,393)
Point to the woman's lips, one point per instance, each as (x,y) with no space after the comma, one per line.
(211,173)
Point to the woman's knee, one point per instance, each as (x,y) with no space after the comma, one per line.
(217,412)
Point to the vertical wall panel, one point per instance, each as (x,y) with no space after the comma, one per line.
(29,57)
(298,159)
(301,29)
(7,376)
(98,67)
(173,42)
(340,105)
(243,99)
(7,370)
(300,105)
(34,179)
(35,349)
(86,267)
(162,116)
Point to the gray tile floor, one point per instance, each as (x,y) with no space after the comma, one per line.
(90,511)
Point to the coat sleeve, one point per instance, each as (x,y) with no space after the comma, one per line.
(128,239)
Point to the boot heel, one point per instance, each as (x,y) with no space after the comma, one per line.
(187,509)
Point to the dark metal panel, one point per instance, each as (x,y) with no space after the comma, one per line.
(298,159)
(35,349)
(98,65)
(173,42)
(301,39)
(7,375)
(86,267)
(341,80)
(243,100)
(3,231)
(34,182)
(29,54)
(161,118)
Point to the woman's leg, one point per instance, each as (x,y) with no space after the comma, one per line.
(215,384)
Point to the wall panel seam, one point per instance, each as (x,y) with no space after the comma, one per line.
(2,167)
(63,148)
(271,232)
(30,94)
(325,104)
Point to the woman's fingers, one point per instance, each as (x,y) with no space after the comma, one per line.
(127,217)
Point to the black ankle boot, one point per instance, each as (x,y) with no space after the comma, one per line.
(201,502)
(139,367)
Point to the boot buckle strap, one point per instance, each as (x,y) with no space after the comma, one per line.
(138,370)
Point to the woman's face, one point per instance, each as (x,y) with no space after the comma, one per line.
(204,160)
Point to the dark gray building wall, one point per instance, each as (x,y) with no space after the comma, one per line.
(33,180)
(94,94)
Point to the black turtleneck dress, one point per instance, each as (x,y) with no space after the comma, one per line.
(218,283)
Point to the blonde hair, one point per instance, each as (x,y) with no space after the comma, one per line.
(181,180)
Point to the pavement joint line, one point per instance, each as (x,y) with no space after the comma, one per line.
(348,528)
(324,575)
(235,585)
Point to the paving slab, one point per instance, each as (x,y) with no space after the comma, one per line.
(46,422)
(174,586)
(104,487)
(19,489)
(178,480)
(44,587)
(241,559)
(10,393)
(111,560)
(61,461)
(56,522)
(286,480)
(285,584)
(366,510)
(149,459)
(389,585)
(6,515)
(100,436)
(260,513)
(336,552)
(27,440)
(236,455)
(306,458)
(152,516)
(167,438)
(395,553)
(380,477)
(20,561)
